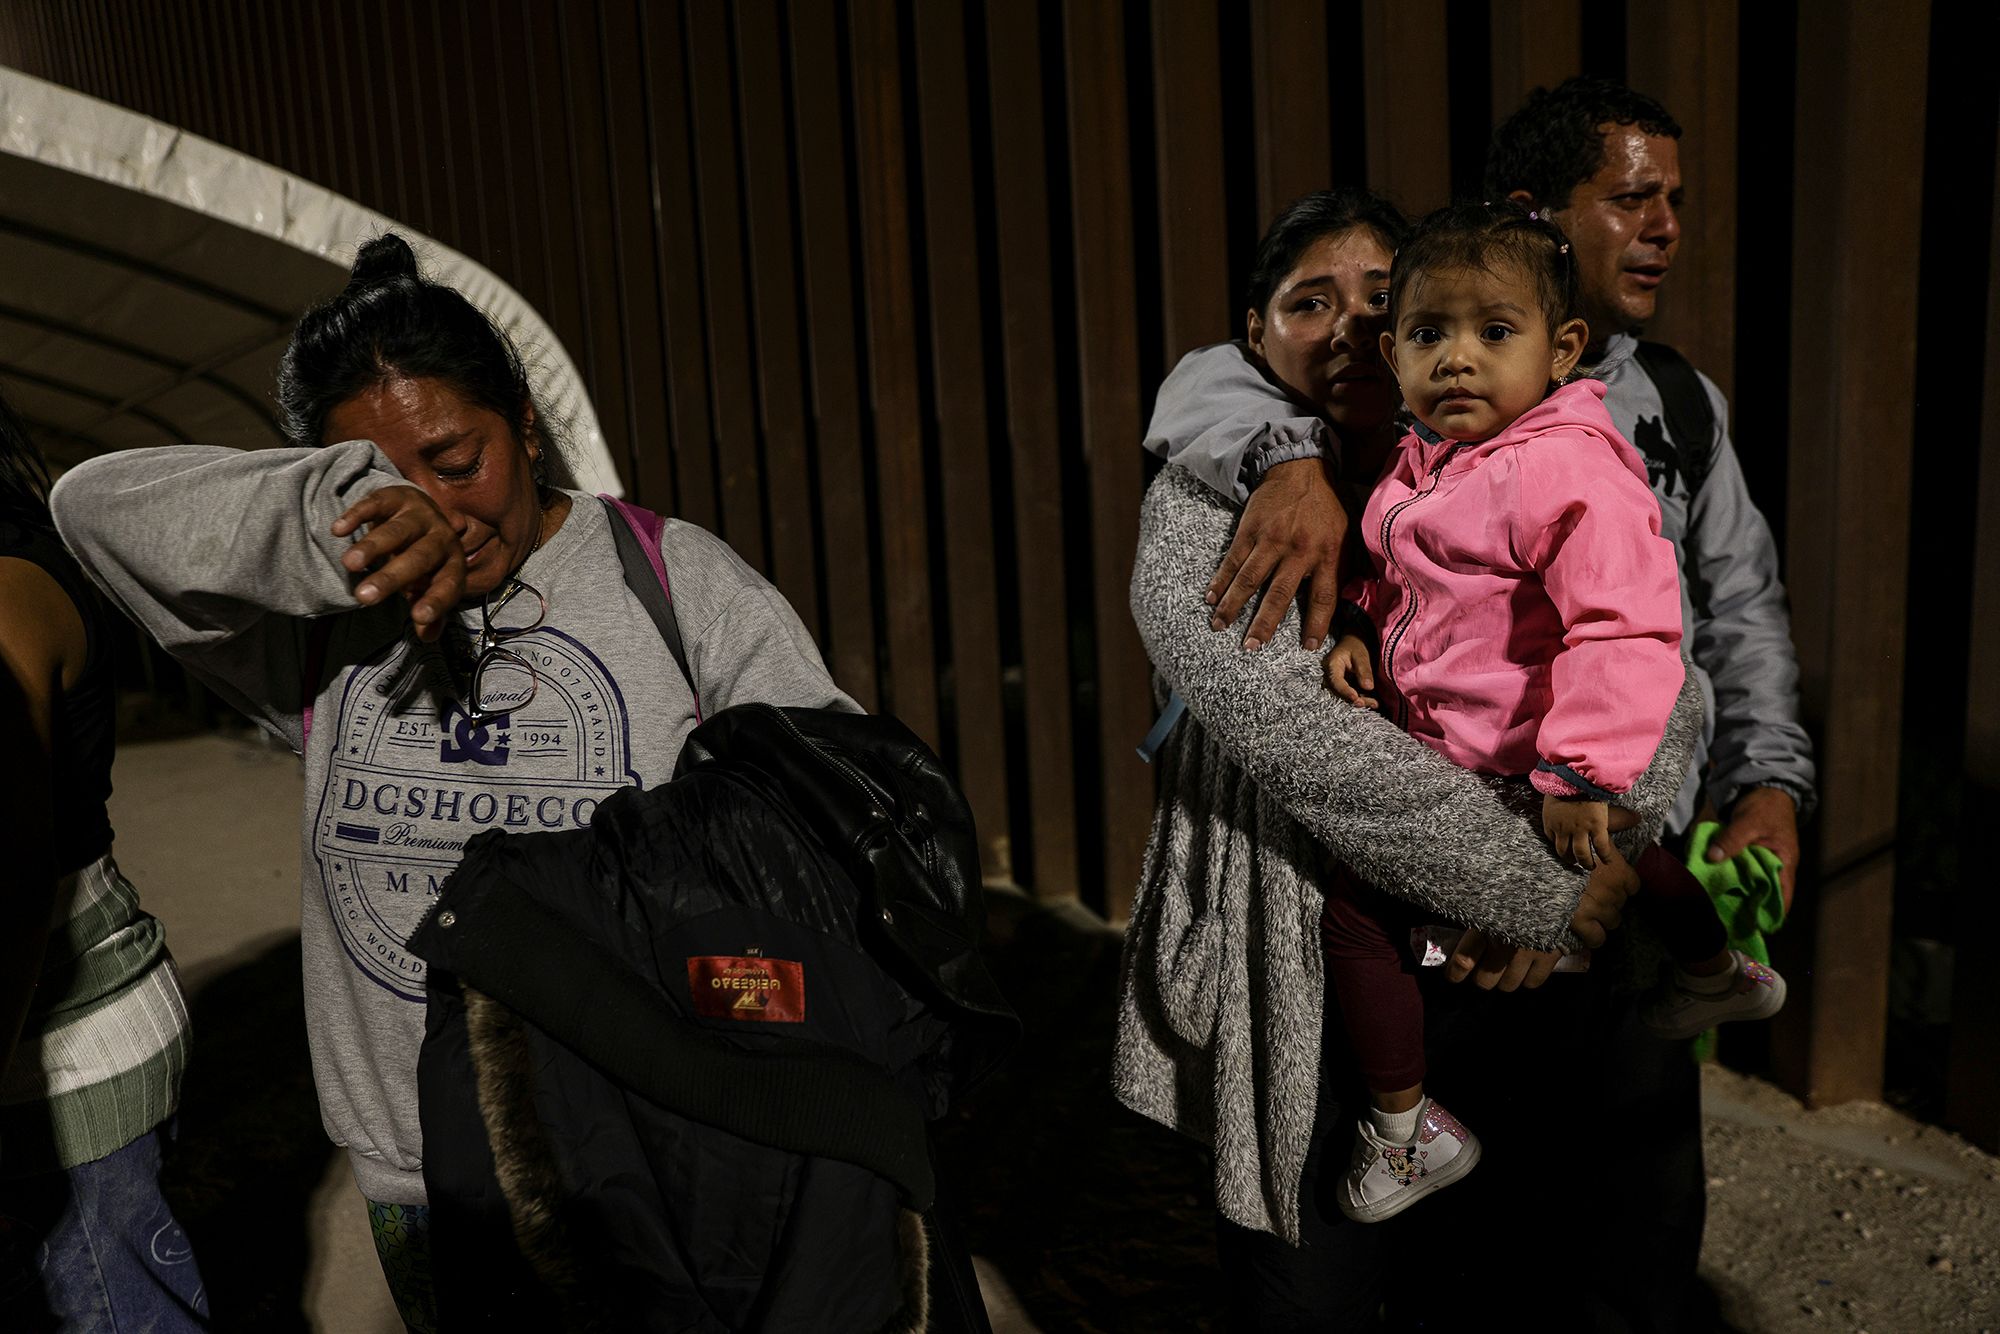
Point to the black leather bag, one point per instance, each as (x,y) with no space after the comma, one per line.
(877,796)
(879,800)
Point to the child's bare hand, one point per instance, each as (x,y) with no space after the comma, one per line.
(1349,672)
(1580,830)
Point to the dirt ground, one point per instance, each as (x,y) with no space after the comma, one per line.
(1084,1216)
(1845,1218)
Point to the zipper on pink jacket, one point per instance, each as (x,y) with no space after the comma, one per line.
(1409,613)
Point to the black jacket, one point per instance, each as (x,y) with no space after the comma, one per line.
(678,1064)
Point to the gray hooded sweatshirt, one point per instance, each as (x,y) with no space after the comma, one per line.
(227,557)
(1221,417)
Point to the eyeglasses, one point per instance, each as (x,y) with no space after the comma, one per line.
(493,635)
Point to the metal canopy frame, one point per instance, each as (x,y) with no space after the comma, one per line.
(126,196)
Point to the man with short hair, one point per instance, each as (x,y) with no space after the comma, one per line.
(1603,163)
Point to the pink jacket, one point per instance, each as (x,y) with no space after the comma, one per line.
(1528,608)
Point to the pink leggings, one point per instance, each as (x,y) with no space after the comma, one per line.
(1374,978)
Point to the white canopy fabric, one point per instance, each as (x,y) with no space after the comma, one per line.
(149,280)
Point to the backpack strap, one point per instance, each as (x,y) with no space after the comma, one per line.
(637,532)
(1690,415)
(1169,716)
(318,632)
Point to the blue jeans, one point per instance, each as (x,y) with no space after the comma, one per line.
(96,1248)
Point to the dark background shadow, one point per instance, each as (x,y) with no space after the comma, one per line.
(251,1150)
(1097,1218)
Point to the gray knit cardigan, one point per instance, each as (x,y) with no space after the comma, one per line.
(1268,777)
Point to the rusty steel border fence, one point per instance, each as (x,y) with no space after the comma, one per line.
(880,290)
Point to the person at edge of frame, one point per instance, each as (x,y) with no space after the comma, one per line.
(94,1029)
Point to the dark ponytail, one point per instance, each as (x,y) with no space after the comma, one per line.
(391,321)
(381,261)
(24,476)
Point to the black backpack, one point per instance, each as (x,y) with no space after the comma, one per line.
(873,791)
(1689,448)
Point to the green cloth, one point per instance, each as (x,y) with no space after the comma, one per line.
(403,1244)
(1744,890)
(1747,896)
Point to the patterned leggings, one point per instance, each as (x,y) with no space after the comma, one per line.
(403,1243)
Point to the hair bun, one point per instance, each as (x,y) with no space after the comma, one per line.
(382,260)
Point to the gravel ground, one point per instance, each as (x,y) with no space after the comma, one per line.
(1846,1218)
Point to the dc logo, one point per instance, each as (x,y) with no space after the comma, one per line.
(480,741)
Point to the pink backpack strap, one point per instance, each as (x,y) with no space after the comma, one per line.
(648,527)
(638,541)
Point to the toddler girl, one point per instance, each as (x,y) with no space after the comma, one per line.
(1525,612)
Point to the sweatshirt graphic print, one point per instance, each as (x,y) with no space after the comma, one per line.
(387,834)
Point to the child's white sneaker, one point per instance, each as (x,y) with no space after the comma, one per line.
(1386,1178)
(1752,991)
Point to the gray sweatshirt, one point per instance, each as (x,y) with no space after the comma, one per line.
(1222,418)
(224,557)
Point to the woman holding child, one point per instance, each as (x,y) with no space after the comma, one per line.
(1247,920)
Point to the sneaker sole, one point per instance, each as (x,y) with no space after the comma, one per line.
(1774,1001)
(1466,1159)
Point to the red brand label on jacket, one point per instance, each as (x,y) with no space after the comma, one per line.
(727,987)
